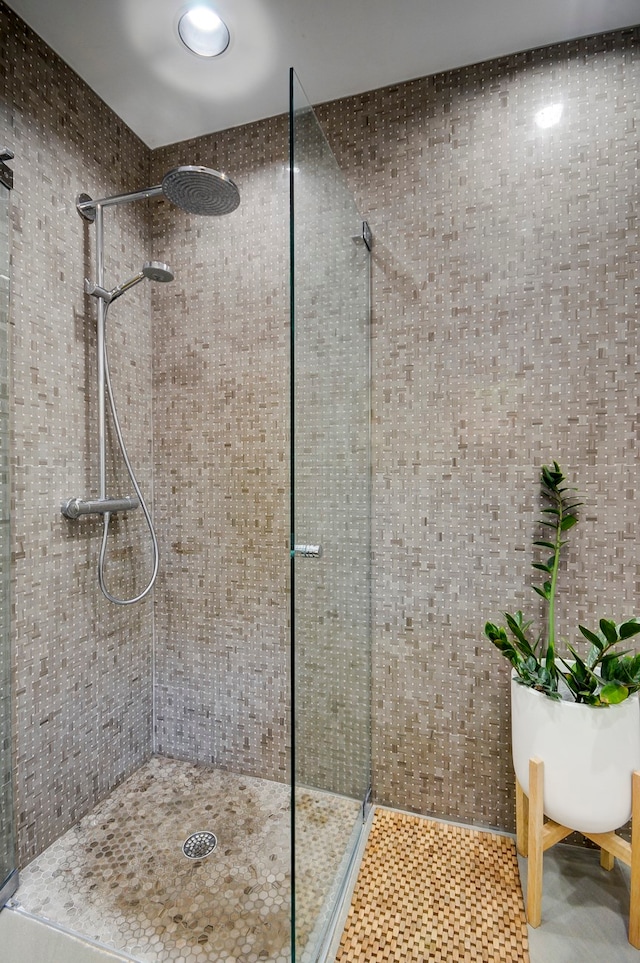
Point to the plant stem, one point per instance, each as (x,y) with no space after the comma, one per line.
(554,575)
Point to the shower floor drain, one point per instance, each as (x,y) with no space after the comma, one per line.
(199,845)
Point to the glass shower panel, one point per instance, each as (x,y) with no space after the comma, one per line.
(8,874)
(331,525)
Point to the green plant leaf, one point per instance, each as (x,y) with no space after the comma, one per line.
(627,629)
(579,677)
(517,623)
(541,592)
(571,682)
(609,668)
(551,477)
(498,636)
(609,630)
(613,693)
(590,699)
(622,669)
(592,637)
(518,627)
(603,678)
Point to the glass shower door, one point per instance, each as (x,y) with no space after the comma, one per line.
(331,525)
(8,873)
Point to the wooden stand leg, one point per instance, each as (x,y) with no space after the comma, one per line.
(534,842)
(634,906)
(607,860)
(522,821)
(533,837)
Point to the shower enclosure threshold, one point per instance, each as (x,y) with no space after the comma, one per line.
(27,937)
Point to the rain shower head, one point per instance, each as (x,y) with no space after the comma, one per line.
(197,190)
(201,190)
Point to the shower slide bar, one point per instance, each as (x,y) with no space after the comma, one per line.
(75,507)
(195,190)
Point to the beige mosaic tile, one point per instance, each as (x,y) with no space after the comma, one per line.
(82,668)
(505,334)
(120,876)
(222,477)
(332,645)
(326,831)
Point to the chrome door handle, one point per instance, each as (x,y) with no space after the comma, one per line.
(307,551)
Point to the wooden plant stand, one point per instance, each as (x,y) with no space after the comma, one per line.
(534,836)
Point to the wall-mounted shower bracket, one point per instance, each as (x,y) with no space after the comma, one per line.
(75,507)
(95,291)
(307,551)
(85,207)
(6,174)
(367,236)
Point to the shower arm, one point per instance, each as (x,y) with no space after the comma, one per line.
(88,208)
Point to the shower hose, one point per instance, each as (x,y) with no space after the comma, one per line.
(134,482)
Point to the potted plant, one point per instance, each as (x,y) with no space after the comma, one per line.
(579,713)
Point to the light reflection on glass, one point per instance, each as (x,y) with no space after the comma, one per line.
(549,115)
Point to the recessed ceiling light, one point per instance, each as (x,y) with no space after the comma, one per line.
(549,116)
(203,32)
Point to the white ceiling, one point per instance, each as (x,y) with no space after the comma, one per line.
(129,53)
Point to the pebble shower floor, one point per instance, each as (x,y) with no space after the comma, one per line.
(120,876)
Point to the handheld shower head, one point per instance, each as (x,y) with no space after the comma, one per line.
(157,271)
(153,270)
(200,190)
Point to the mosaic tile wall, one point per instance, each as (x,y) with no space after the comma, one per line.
(221,440)
(332,483)
(82,670)
(221,452)
(503,292)
(505,312)
(505,302)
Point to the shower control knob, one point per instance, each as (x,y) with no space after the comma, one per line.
(71,508)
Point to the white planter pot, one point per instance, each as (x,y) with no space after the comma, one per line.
(588,753)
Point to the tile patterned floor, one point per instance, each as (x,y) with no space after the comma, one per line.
(120,876)
(326,832)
